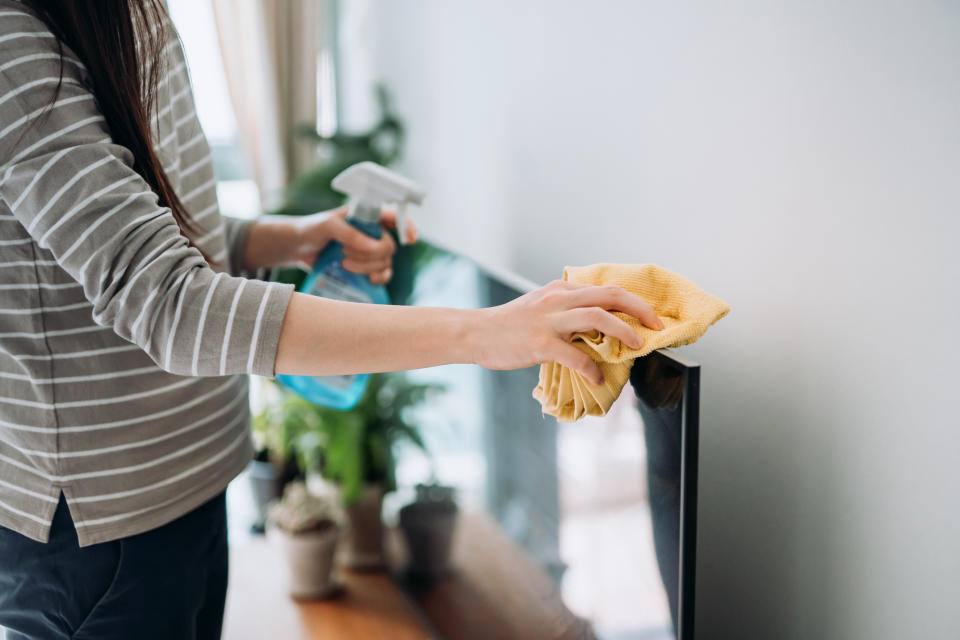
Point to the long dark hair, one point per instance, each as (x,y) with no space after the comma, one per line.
(122,43)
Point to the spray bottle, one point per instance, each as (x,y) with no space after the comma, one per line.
(369,186)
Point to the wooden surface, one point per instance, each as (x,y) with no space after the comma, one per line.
(258,607)
(494,592)
(371,607)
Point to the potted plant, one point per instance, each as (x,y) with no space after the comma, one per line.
(427,524)
(353,452)
(275,433)
(305,527)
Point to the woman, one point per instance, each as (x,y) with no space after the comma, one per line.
(126,317)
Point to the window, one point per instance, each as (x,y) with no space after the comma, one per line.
(236,189)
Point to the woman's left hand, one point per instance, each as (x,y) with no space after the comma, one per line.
(362,254)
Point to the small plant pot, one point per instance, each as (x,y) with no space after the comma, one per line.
(362,546)
(428,528)
(310,558)
(266,483)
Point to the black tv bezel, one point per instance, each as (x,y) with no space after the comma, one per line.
(689,468)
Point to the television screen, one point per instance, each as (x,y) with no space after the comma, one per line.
(602,511)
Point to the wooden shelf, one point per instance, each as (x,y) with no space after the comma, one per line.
(372,607)
(495,591)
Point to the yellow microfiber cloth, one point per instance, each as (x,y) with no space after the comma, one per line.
(687,312)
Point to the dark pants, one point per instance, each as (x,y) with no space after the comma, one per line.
(167,583)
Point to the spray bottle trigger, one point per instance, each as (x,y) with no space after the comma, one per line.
(402,221)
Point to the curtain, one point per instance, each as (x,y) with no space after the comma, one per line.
(270,50)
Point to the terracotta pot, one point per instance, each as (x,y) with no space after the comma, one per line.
(362,546)
(428,529)
(309,559)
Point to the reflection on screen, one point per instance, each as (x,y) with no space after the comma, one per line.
(595,503)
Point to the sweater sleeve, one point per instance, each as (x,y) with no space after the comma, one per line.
(76,192)
(236,232)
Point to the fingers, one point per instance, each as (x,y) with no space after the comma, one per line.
(590,318)
(412,231)
(569,356)
(361,253)
(373,258)
(565,285)
(379,271)
(353,239)
(617,299)
(358,265)
(381,249)
(381,277)
(388,218)
(377,265)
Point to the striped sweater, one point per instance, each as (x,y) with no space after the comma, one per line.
(120,345)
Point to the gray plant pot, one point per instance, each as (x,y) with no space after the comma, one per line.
(428,528)
(266,484)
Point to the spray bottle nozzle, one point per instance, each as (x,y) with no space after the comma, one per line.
(370,186)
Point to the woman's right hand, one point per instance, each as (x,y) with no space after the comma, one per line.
(537,327)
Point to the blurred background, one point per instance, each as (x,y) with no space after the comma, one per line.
(800,160)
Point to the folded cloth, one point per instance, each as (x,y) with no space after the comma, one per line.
(687,312)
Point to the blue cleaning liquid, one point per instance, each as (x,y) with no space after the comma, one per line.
(330,280)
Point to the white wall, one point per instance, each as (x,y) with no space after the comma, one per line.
(802,161)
